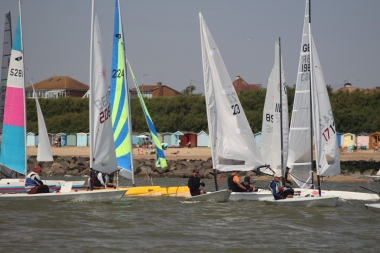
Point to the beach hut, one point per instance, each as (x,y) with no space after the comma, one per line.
(71,139)
(177,140)
(339,136)
(202,139)
(362,140)
(81,139)
(189,137)
(51,139)
(62,139)
(348,140)
(258,139)
(168,138)
(88,139)
(374,138)
(31,139)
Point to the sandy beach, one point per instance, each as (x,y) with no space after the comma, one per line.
(200,153)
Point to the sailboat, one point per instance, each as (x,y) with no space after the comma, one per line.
(311,111)
(325,135)
(275,126)
(13,147)
(233,146)
(121,120)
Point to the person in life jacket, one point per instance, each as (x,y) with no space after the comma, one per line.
(98,179)
(247,182)
(234,183)
(33,183)
(278,189)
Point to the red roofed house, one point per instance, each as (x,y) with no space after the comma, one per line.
(56,87)
(154,90)
(241,85)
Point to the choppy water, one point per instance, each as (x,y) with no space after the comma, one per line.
(168,224)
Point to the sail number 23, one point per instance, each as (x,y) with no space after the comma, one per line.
(232,99)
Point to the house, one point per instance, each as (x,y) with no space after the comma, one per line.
(362,140)
(189,137)
(203,139)
(375,137)
(56,87)
(348,140)
(258,139)
(154,90)
(349,88)
(241,85)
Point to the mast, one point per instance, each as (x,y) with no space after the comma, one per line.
(313,128)
(281,90)
(91,88)
(209,121)
(24,99)
(127,96)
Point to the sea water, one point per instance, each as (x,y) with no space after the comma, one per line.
(169,224)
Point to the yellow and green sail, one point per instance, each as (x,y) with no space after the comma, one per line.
(160,156)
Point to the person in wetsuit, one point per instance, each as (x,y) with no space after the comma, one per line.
(195,183)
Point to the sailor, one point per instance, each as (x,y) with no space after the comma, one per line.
(33,183)
(234,183)
(247,182)
(194,183)
(278,189)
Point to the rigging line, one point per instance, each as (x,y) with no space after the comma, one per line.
(300,179)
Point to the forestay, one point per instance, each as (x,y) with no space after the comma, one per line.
(102,146)
(232,142)
(275,131)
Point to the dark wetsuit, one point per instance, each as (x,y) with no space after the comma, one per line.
(194,183)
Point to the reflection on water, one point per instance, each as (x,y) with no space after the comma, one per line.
(168,224)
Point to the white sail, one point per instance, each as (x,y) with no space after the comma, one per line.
(44,148)
(299,158)
(300,138)
(232,142)
(327,152)
(275,132)
(102,147)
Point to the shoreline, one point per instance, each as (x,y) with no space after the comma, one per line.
(204,153)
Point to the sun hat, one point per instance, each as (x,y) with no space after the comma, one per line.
(277,175)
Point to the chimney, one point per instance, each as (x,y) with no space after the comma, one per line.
(348,84)
(238,76)
(160,91)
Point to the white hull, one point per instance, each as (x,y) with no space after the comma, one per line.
(260,195)
(80,196)
(373,207)
(328,201)
(218,196)
(18,184)
(375,178)
(346,195)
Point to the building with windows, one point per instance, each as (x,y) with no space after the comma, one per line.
(56,87)
(154,90)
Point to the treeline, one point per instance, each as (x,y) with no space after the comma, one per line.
(354,112)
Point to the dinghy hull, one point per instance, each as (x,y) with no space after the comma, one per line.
(325,201)
(217,196)
(79,196)
(260,195)
(373,207)
(346,195)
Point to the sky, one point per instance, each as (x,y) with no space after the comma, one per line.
(163,38)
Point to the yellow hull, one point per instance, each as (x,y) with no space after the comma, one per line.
(172,191)
(176,191)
